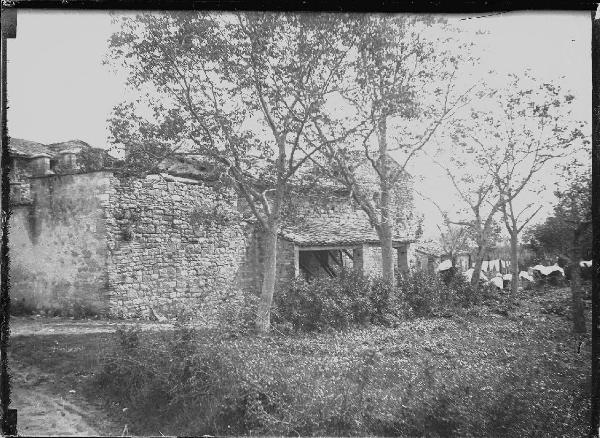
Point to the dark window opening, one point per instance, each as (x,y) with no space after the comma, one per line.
(324,262)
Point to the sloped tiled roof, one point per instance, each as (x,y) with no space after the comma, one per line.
(189,167)
(364,174)
(18,146)
(321,232)
(27,148)
(72,146)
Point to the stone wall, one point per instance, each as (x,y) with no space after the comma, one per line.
(286,263)
(57,244)
(133,247)
(337,208)
(130,246)
(250,274)
(372,261)
(172,244)
(20,191)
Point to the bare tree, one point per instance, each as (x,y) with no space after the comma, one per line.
(402,89)
(481,206)
(504,143)
(239,89)
(454,239)
(526,127)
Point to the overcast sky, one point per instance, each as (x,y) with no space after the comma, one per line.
(58,88)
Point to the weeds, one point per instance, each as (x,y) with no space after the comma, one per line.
(21,307)
(426,377)
(378,374)
(75,309)
(354,300)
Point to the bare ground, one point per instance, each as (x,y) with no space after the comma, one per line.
(41,325)
(47,407)
(42,410)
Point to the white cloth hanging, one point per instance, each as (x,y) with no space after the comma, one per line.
(497,281)
(444,266)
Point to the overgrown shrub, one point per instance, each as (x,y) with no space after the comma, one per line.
(74,309)
(231,311)
(80,310)
(387,306)
(465,294)
(428,294)
(351,299)
(560,306)
(429,377)
(423,292)
(162,380)
(21,307)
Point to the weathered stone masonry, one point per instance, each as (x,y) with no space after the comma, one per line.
(129,246)
(171,244)
(125,246)
(58,243)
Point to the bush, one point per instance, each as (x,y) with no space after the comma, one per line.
(555,305)
(75,309)
(465,294)
(428,294)
(424,379)
(196,383)
(21,307)
(167,380)
(422,291)
(80,310)
(231,311)
(351,299)
(387,306)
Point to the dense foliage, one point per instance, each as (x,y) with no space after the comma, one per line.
(568,233)
(572,214)
(325,302)
(462,376)
(356,300)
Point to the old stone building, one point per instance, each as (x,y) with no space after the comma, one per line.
(126,246)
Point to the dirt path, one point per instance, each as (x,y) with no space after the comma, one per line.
(34,325)
(47,408)
(44,409)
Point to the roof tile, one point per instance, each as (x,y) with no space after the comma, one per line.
(28,148)
(325,232)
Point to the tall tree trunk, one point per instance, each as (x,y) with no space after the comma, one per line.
(477,267)
(386,234)
(578,313)
(514,265)
(263,315)
(576,298)
(387,253)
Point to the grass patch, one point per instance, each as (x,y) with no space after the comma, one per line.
(477,374)
(64,354)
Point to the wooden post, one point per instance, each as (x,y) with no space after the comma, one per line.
(403,259)
(296,261)
(358,259)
